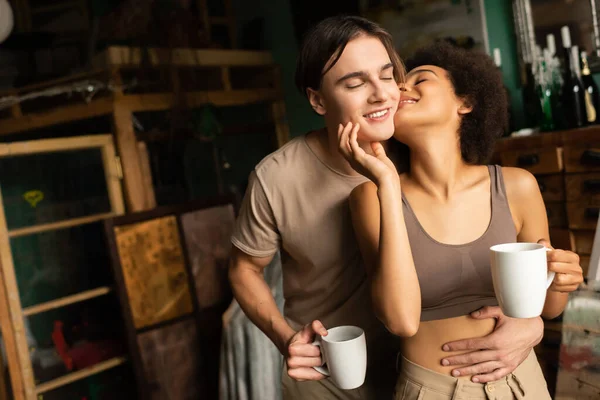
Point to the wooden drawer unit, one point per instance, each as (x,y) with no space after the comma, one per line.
(536,161)
(582,186)
(552,187)
(583,214)
(582,158)
(583,242)
(584,261)
(562,238)
(566,165)
(557,215)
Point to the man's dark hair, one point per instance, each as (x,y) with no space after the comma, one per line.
(324,43)
(477,80)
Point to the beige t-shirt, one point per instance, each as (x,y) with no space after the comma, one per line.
(297,203)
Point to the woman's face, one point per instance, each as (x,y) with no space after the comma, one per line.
(360,88)
(427,100)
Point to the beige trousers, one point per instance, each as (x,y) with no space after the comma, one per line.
(417,383)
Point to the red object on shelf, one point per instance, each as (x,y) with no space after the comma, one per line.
(61,345)
(84,353)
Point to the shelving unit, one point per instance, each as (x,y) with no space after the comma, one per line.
(12,322)
(225,78)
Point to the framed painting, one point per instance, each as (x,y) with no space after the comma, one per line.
(170,267)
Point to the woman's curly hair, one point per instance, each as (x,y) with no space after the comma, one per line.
(477,80)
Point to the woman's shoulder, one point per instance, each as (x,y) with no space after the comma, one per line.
(519,182)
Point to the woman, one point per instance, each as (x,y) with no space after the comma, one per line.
(425,234)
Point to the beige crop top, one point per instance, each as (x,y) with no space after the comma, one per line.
(456,279)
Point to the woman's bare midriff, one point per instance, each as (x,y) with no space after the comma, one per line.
(425,348)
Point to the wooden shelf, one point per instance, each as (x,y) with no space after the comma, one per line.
(55,116)
(65,301)
(550,139)
(53,145)
(135,102)
(75,376)
(69,223)
(223,98)
(121,56)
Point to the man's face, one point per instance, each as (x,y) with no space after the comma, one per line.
(360,88)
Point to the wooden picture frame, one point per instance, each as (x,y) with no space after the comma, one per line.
(157,345)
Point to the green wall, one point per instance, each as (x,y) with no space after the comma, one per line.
(501,34)
(279,38)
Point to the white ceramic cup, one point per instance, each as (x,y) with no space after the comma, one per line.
(344,353)
(521,278)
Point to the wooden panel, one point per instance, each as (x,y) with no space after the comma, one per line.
(170,360)
(552,187)
(54,145)
(128,151)
(557,216)
(13,327)
(207,321)
(154,271)
(207,236)
(584,261)
(132,56)
(113,175)
(65,301)
(589,134)
(582,158)
(584,240)
(53,226)
(550,139)
(583,215)
(12,360)
(547,139)
(222,98)
(146,170)
(536,161)
(582,186)
(562,239)
(55,116)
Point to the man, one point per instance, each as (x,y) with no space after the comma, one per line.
(296,202)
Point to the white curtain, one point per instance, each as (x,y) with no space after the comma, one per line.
(251,365)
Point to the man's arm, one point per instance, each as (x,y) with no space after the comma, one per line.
(256,300)
(496,355)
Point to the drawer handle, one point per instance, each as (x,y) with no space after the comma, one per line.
(591,213)
(528,160)
(590,157)
(591,185)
